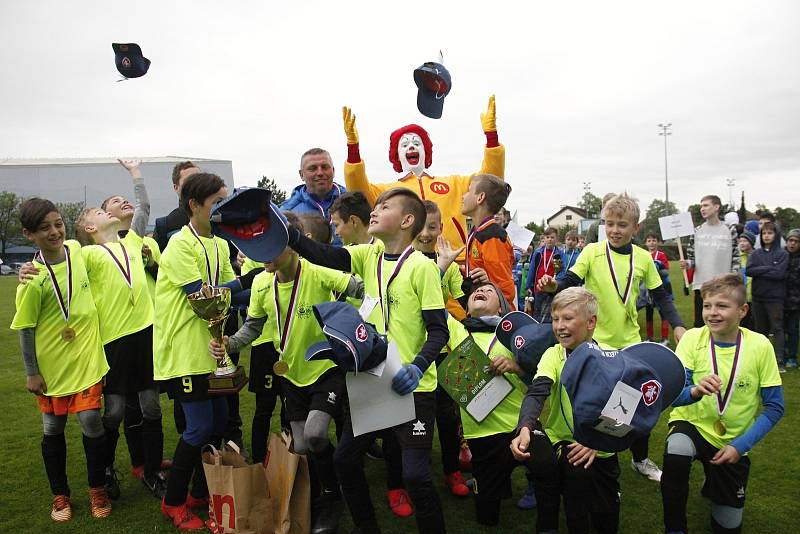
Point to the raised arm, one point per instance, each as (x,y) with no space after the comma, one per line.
(141,212)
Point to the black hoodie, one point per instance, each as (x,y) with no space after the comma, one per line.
(768,268)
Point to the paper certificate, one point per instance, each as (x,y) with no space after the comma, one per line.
(465,375)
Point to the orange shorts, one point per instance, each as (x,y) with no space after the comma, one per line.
(88,399)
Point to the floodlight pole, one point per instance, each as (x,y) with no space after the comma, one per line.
(731,183)
(665,131)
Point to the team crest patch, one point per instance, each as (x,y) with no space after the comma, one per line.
(474,252)
(650,391)
(126,63)
(519,342)
(440,188)
(506,325)
(361,333)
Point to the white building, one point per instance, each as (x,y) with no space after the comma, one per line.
(92,180)
(566,216)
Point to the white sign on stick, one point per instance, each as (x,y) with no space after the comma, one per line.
(675,226)
(520,237)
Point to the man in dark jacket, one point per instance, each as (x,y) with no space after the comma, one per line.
(767,268)
(791,306)
(318,191)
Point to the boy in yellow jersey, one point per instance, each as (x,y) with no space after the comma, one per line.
(492,461)
(405,289)
(63,354)
(280,305)
(447,414)
(587,479)
(613,270)
(119,284)
(180,341)
(730,372)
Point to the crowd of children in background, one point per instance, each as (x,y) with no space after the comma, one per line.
(425,302)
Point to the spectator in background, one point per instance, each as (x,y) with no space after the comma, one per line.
(713,250)
(318,191)
(746,242)
(546,260)
(767,267)
(791,306)
(765,216)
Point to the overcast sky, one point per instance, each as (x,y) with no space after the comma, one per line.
(580,89)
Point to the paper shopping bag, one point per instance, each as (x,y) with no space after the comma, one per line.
(288,486)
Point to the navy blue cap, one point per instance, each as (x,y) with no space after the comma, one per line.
(129,59)
(433,81)
(252,222)
(354,345)
(526,338)
(590,376)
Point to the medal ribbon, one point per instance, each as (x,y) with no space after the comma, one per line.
(212,281)
(569,261)
(385,308)
(283,332)
(547,263)
(484,223)
(62,304)
(723,401)
(125,271)
(623,296)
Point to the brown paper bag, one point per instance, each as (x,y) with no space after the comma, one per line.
(288,486)
(237,492)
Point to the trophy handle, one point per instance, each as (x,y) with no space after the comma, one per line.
(216,327)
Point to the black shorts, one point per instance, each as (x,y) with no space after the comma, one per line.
(262,377)
(190,388)
(130,362)
(492,464)
(418,433)
(325,395)
(725,484)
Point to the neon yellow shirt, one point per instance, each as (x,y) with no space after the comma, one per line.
(451,283)
(617,324)
(756,369)
(416,288)
(151,282)
(505,415)
(180,338)
(66,367)
(317,285)
(122,310)
(261,283)
(248,265)
(558,425)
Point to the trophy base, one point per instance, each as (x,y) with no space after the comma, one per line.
(227,384)
(225,371)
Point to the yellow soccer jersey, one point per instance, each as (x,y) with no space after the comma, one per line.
(261,283)
(504,417)
(122,309)
(558,424)
(248,265)
(416,288)
(617,323)
(451,283)
(316,285)
(67,367)
(180,338)
(756,369)
(446,191)
(151,281)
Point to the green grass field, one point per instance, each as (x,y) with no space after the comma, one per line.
(25,496)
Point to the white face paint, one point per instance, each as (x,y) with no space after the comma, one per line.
(411,152)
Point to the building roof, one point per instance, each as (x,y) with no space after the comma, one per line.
(40,162)
(578,211)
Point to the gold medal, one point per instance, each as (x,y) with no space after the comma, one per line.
(68,334)
(719,427)
(280,368)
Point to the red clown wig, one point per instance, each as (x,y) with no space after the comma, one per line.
(394,140)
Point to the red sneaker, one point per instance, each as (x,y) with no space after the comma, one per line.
(465,459)
(181,517)
(399,503)
(137,471)
(195,503)
(457,484)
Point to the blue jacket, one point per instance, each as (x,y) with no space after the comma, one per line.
(301,202)
(767,268)
(569,258)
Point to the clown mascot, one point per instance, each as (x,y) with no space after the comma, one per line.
(411,153)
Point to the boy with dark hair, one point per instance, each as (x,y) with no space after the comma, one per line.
(767,268)
(716,419)
(546,260)
(488,246)
(791,306)
(316,227)
(281,303)
(613,270)
(350,216)
(747,241)
(410,311)
(661,261)
(569,253)
(63,354)
(587,479)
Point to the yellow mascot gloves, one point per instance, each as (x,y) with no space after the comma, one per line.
(488,119)
(351,132)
